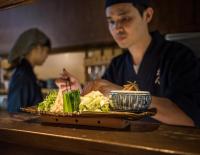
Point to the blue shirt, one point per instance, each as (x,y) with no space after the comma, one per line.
(168,69)
(23,89)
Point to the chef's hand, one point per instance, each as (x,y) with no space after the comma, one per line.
(101,85)
(68,82)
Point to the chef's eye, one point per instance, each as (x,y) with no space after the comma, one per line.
(111,22)
(125,20)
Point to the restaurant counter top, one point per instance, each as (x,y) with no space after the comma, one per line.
(24,134)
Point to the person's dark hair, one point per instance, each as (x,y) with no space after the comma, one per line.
(141,8)
(47,44)
(141,5)
(26,42)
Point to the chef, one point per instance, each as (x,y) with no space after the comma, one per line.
(168,70)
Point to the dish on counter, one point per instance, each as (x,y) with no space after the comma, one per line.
(136,101)
(111,119)
(94,109)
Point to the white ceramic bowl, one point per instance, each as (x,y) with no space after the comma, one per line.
(136,101)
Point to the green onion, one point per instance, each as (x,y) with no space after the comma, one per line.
(71,101)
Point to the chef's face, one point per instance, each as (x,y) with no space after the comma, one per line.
(126,24)
(41,54)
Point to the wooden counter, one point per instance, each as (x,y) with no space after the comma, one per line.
(31,137)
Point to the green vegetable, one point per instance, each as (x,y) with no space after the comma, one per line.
(105,108)
(71,101)
(95,101)
(48,101)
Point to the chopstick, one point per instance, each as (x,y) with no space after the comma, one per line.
(69,83)
(67,78)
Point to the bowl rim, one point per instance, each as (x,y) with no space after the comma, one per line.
(130,91)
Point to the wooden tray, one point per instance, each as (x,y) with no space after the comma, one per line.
(113,119)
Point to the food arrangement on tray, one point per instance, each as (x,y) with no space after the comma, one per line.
(94,109)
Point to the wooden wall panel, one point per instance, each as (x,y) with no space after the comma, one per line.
(75,24)
(172,16)
(68,23)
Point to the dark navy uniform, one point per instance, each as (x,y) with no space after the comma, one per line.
(23,89)
(168,69)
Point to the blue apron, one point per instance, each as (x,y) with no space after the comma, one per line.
(168,69)
(24,90)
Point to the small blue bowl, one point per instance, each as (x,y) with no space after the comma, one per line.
(136,101)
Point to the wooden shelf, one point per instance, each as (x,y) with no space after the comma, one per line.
(3,92)
(44,91)
(5,4)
